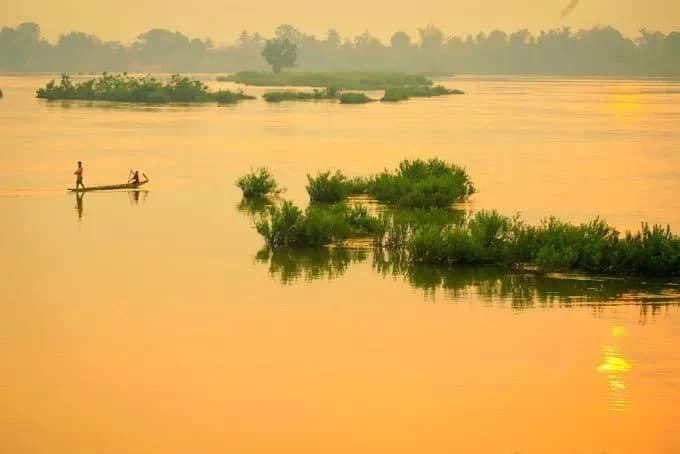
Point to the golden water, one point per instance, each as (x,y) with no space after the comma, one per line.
(148,322)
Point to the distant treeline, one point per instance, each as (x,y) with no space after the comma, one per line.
(597,51)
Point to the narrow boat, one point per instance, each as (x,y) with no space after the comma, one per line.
(111,186)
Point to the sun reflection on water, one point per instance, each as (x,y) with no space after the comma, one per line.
(615,366)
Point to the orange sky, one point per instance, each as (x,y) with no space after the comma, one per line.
(222,20)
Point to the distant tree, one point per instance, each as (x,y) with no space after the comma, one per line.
(280,53)
(400,40)
(431,37)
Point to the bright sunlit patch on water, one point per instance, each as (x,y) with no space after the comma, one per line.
(624,103)
(614,365)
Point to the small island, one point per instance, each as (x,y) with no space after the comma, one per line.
(145,89)
(281,53)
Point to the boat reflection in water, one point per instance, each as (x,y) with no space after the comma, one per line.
(134,196)
(519,289)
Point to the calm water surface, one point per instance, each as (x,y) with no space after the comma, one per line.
(155,322)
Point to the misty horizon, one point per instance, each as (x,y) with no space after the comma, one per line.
(599,51)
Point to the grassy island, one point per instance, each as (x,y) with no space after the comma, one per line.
(126,88)
(420,225)
(413,184)
(279,96)
(486,238)
(349,80)
(395,94)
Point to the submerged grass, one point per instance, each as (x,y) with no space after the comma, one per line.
(258,184)
(395,94)
(146,89)
(347,80)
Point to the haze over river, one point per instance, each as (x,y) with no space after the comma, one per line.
(153,322)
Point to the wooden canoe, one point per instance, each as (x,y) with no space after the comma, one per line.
(110,187)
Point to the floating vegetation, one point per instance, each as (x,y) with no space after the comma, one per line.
(278,96)
(145,89)
(395,94)
(258,184)
(348,80)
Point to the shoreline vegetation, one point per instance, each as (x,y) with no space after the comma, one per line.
(421,227)
(144,89)
(397,86)
(340,80)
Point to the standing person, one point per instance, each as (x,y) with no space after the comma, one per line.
(79,175)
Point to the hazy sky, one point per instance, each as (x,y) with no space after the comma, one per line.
(223,19)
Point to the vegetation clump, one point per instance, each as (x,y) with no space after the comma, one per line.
(354,98)
(553,245)
(146,89)
(327,187)
(278,96)
(258,184)
(288,225)
(347,80)
(421,184)
(395,94)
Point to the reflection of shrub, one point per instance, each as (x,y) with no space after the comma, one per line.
(327,187)
(259,183)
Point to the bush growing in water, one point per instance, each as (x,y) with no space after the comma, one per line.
(278,96)
(126,88)
(594,247)
(257,184)
(421,184)
(394,94)
(354,98)
(327,187)
(288,225)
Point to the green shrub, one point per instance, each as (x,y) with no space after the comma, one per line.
(354,98)
(553,245)
(257,184)
(287,225)
(421,184)
(327,187)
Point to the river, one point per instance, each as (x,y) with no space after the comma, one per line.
(156,322)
